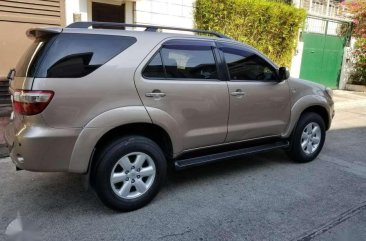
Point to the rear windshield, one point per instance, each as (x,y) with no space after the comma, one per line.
(71,55)
(27,63)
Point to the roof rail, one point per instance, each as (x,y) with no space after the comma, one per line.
(151,28)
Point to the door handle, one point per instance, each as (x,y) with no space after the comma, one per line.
(155,94)
(238,93)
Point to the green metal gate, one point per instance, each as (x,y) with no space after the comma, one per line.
(323,51)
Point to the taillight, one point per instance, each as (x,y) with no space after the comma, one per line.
(31,102)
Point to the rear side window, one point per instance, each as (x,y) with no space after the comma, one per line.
(183,60)
(77,55)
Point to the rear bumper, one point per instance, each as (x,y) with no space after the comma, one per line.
(41,148)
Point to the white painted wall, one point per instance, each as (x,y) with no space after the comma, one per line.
(296,60)
(76,7)
(347,64)
(177,13)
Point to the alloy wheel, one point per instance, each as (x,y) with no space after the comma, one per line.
(133,175)
(310,138)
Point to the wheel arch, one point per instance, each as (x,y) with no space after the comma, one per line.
(148,130)
(310,103)
(320,110)
(113,123)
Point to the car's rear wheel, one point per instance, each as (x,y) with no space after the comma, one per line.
(129,173)
(308,138)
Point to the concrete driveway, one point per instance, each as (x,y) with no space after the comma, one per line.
(264,197)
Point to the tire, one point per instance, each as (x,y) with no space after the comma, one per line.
(308,138)
(134,162)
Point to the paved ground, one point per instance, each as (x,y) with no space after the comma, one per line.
(266,197)
(3,123)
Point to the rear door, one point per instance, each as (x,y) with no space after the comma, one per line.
(259,103)
(22,76)
(24,72)
(182,91)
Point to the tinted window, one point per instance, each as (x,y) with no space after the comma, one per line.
(27,63)
(189,61)
(155,68)
(76,55)
(245,65)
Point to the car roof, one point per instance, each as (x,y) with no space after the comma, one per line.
(154,36)
(136,33)
(158,36)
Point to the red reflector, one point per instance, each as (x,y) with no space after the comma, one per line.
(31,102)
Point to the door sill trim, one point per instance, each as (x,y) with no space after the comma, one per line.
(181,164)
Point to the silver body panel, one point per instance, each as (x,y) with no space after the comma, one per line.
(195,114)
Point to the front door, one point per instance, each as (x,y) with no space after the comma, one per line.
(259,103)
(181,90)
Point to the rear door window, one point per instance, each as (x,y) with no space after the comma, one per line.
(183,59)
(155,68)
(77,55)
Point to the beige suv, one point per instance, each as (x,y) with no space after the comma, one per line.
(121,106)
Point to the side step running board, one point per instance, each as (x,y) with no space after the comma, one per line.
(201,160)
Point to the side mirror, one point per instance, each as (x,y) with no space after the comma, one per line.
(283,73)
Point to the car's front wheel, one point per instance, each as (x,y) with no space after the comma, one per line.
(308,138)
(129,173)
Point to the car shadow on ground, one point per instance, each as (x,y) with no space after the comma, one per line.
(224,168)
(336,138)
(65,192)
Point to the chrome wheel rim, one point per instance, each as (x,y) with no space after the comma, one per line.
(310,138)
(133,175)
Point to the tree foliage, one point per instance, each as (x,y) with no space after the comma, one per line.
(358,11)
(271,27)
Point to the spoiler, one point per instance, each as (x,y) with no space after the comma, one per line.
(34,33)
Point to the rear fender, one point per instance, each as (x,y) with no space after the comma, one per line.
(97,127)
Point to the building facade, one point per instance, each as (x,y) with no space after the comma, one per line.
(16,16)
(319,40)
(178,13)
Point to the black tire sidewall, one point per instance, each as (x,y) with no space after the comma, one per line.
(109,157)
(296,152)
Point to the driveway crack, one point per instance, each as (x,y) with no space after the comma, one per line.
(175,234)
(332,223)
